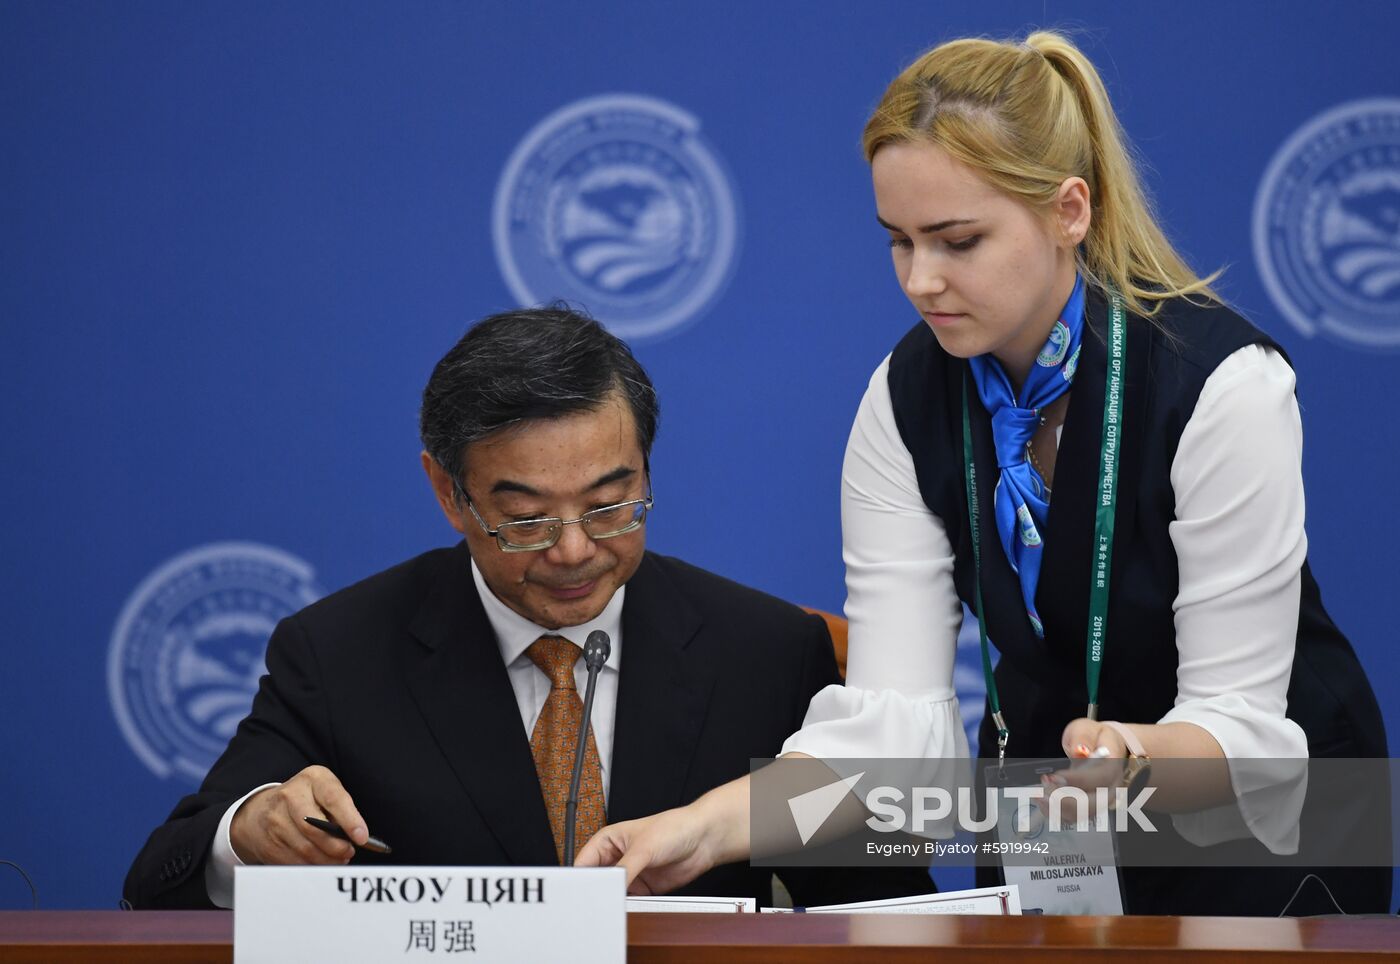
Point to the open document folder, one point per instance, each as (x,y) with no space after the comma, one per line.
(999,901)
(691,905)
(985,900)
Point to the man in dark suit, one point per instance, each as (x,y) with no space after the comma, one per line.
(437,703)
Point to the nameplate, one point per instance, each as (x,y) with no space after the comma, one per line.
(1059,866)
(358,915)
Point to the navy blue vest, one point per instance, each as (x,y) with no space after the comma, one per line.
(1041,681)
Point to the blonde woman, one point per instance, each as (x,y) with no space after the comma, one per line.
(1132,449)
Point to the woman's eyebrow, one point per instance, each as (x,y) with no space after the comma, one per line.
(928,228)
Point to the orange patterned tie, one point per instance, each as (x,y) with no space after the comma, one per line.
(554,741)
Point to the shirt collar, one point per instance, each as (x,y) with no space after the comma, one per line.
(515,633)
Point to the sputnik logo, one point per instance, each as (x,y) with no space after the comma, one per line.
(811,809)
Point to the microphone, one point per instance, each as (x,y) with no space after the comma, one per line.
(596,650)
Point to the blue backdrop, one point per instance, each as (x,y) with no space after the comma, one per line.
(236,236)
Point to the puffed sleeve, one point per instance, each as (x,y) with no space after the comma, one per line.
(1240,548)
(904,613)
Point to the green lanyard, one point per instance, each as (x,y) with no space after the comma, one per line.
(1103,525)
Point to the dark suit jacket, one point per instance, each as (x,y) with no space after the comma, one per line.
(396,685)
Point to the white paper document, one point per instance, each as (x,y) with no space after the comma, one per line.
(691,905)
(999,901)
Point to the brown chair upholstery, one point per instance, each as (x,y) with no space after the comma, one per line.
(836,625)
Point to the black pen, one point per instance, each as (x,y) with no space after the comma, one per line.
(373,844)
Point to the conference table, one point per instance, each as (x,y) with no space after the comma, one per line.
(96,937)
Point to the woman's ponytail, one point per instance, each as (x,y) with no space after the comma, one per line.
(1026,116)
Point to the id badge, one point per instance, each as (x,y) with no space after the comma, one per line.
(1071,870)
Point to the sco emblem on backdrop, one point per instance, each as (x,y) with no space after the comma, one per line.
(188,649)
(1327,225)
(618,204)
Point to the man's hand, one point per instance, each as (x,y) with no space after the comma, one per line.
(269,829)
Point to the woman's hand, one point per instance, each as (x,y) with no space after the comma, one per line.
(672,848)
(1097,752)
(659,853)
(1085,739)
(1189,771)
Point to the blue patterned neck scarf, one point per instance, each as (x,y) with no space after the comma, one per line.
(1022,500)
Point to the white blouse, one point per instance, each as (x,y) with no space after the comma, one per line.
(1240,548)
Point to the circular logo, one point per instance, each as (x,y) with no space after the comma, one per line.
(1071,366)
(187,650)
(616,202)
(1028,815)
(1055,346)
(1327,225)
(1030,536)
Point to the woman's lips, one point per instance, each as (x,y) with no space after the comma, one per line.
(938,318)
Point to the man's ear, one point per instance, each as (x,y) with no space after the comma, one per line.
(1073,211)
(445,491)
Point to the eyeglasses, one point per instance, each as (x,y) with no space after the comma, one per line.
(532,535)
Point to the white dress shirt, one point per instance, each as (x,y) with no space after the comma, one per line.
(1240,547)
(514,634)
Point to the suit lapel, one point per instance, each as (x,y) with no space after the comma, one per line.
(663,695)
(461,687)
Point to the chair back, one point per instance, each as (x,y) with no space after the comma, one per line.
(836,625)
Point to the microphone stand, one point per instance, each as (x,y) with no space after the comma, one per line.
(596,650)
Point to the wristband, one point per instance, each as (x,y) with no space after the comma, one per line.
(1138,769)
(1134,745)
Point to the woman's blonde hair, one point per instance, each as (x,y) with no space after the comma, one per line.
(1026,117)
